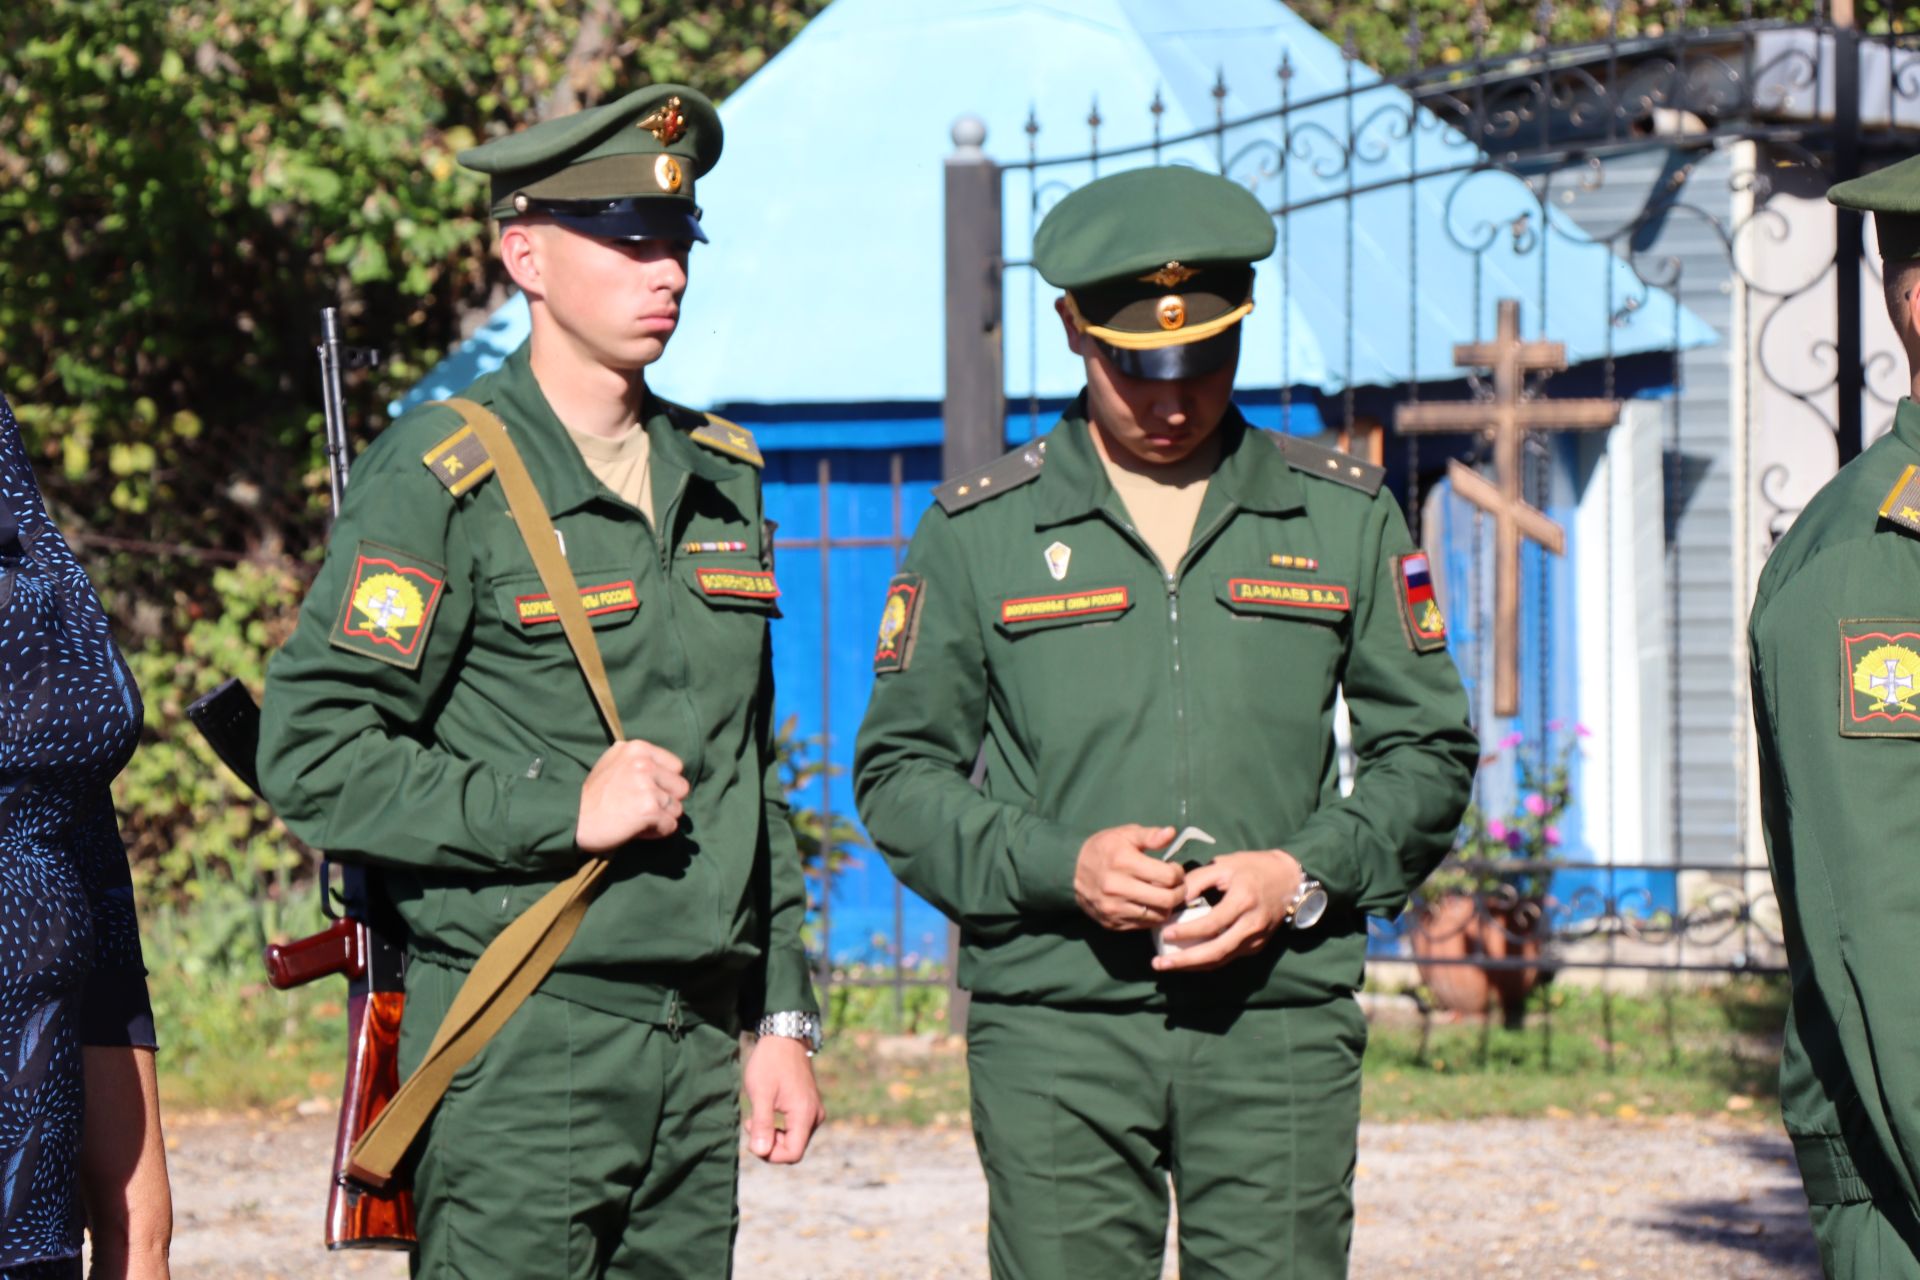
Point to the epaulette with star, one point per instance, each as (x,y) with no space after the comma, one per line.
(1331,464)
(1009,471)
(1902,505)
(729,438)
(459,462)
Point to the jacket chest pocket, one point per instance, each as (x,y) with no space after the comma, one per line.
(609,596)
(733,600)
(1283,635)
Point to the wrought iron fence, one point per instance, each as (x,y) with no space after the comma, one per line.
(1809,103)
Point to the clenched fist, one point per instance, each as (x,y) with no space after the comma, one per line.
(633,793)
(1123,888)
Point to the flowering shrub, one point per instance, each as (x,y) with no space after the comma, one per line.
(1528,836)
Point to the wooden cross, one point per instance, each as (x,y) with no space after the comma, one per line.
(1507,418)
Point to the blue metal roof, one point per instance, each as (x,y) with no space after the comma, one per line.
(824,279)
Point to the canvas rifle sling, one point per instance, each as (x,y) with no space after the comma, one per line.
(516,961)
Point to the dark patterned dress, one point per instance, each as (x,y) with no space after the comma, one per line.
(70,970)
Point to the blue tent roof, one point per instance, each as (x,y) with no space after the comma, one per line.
(824,280)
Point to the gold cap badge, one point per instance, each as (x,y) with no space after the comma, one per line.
(664,122)
(666,172)
(1171,276)
(1171,311)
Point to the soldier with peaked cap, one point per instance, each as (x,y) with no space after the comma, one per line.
(1834,643)
(427,717)
(1140,625)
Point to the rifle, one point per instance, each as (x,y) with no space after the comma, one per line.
(362,942)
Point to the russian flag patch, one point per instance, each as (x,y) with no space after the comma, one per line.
(1425,625)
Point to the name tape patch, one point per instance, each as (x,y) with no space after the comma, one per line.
(389,607)
(749,584)
(1074,604)
(1880,678)
(1291,595)
(610,597)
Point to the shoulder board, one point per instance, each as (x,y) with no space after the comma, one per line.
(729,438)
(1902,505)
(460,461)
(1331,464)
(1009,471)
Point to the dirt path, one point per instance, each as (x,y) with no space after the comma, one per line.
(1491,1200)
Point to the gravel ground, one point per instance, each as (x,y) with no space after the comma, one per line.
(1490,1200)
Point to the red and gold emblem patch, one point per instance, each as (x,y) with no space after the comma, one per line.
(390,602)
(1880,679)
(898,621)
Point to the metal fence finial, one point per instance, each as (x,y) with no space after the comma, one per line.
(1285,73)
(1032,129)
(1159,108)
(968,133)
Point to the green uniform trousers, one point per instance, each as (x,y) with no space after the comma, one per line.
(578,1145)
(1859,1242)
(1080,1115)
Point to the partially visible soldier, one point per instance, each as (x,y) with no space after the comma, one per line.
(1143,622)
(1834,641)
(428,717)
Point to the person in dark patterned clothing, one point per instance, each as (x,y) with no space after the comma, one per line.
(79,1116)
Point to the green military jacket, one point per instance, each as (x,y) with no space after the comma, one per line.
(427,715)
(1834,640)
(1037,626)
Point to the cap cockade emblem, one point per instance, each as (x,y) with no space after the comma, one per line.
(1171,311)
(1171,276)
(666,173)
(664,122)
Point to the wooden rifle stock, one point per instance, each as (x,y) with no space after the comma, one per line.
(361,945)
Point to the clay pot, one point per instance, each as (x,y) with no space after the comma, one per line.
(1462,926)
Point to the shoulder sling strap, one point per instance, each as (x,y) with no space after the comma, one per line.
(519,959)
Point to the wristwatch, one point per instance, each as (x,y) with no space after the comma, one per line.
(1308,905)
(793,1025)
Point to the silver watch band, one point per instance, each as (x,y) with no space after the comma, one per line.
(793,1025)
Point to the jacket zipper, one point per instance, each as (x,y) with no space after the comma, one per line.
(1183,766)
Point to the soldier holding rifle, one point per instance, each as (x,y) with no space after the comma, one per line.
(443,712)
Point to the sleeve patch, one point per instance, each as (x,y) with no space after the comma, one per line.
(1420,616)
(899,623)
(459,462)
(1880,678)
(389,606)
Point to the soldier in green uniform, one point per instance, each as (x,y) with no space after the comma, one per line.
(1834,641)
(1140,624)
(427,717)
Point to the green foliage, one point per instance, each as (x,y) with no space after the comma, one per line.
(1394,36)
(1584,1052)
(1527,838)
(183,183)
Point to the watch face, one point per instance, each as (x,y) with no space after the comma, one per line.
(1311,908)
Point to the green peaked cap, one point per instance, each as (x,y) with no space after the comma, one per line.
(1892,196)
(642,151)
(1158,266)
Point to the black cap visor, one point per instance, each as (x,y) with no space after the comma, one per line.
(1186,360)
(634,218)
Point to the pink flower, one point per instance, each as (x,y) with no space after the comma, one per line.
(1496,830)
(1583,731)
(1511,741)
(1536,805)
(1555,726)
(1552,835)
